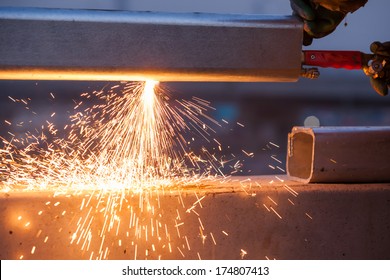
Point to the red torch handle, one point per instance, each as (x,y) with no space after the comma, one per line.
(335,59)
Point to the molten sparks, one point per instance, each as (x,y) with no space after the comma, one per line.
(132,140)
(120,154)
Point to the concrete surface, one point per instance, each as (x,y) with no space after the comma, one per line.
(251,218)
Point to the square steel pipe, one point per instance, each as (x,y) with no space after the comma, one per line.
(57,44)
(235,218)
(339,154)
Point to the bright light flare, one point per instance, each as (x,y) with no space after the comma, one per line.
(148,95)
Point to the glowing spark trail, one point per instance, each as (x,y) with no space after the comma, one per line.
(131,140)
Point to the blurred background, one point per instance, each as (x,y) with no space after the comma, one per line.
(268,111)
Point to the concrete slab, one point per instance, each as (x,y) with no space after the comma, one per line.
(241,217)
